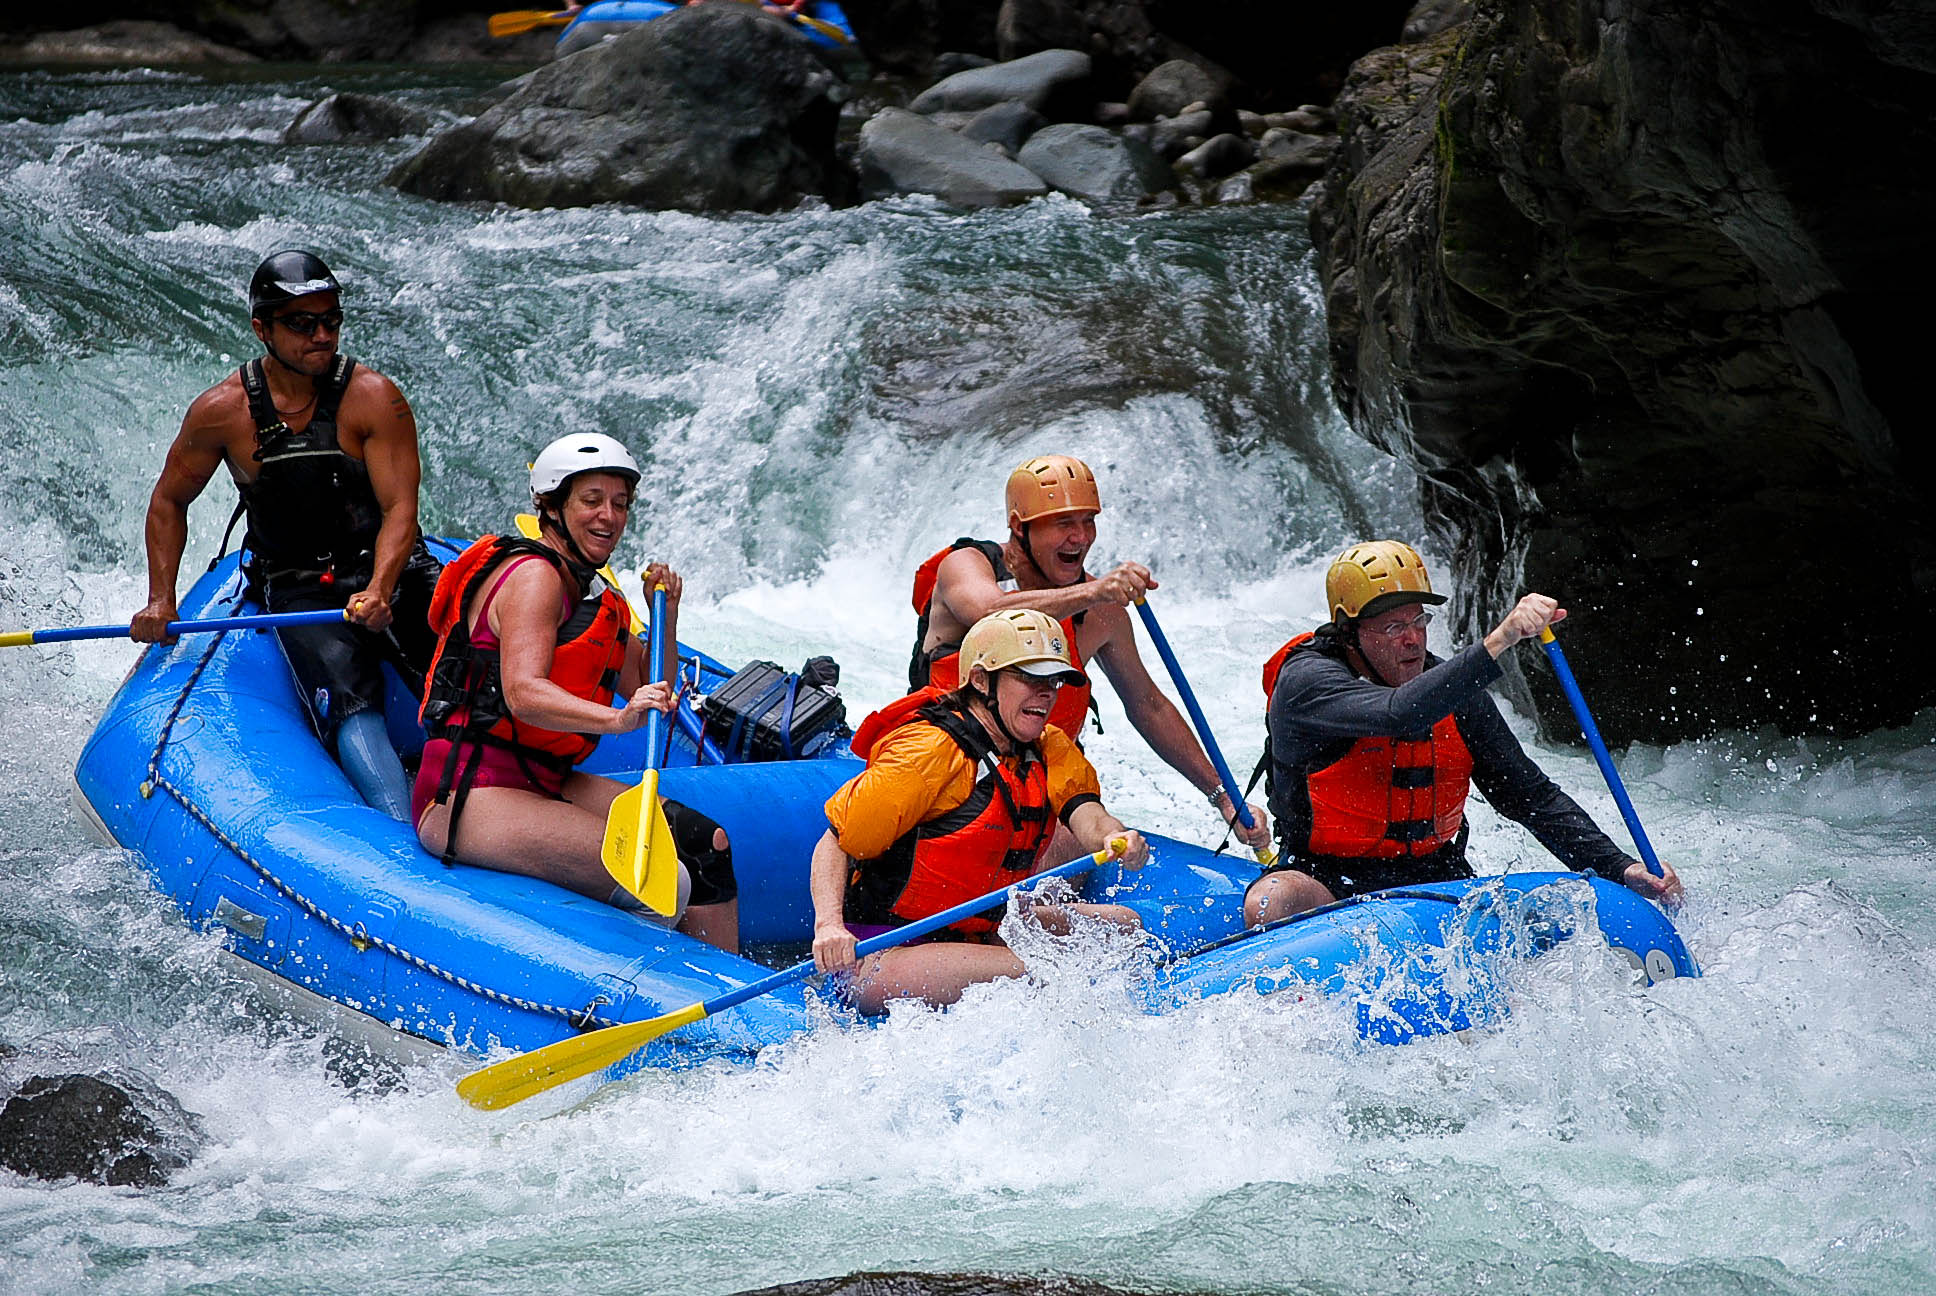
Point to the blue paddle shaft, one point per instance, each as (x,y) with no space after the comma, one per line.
(1571,687)
(266,621)
(655,720)
(1196,712)
(899,936)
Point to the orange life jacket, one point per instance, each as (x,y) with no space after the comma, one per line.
(942,669)
(464,691)
(993,839)
(1385,798)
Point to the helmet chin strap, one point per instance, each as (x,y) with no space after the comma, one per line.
(994,709)
(582,566)
(1350,637)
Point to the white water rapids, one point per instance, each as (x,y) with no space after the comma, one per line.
(823,398)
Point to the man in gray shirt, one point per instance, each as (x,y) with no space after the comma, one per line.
(1374,745)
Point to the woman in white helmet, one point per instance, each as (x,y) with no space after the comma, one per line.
(532,649)
(961,796)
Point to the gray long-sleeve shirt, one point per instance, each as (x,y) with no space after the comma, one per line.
(1320,707)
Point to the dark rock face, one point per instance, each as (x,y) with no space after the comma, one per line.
(1030,26)
(1645,317)
(904,152)
(123,1131)
(714,108)
(907,35)
(1094,164)
(349,116)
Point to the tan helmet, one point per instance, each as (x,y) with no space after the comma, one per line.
(1367,578)
(1050,484)
(1020,639)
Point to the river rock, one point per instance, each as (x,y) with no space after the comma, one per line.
(1094,164)
(904,152)
(1173,88)
(717,107)
(1054,83)
(1031,26)
(1430,17)
(130,42)
(121,1130)
(349,116)
(1172,137)
(1217,156)
(1008,125)
(1649,324)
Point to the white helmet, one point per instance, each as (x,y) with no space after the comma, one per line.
(580,452)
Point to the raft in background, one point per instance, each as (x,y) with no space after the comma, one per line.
(828,28)
(205,766)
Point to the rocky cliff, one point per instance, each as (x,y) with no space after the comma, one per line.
(1639,288)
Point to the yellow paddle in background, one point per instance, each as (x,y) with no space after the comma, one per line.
(639,851)
(517,1078)
(519,21)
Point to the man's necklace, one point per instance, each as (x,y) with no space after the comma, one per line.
(291,413)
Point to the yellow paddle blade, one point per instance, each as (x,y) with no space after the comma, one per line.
(826,29)
(528,528)
(639,853)
(515,1079)
(519,21)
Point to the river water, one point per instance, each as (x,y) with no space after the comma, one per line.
(821,399)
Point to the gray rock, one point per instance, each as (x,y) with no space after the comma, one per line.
(1253,123)
(1430,17)
(1172,137)
(134,42)
(1292,150)
(350,116)
(1094,164)
(904,152)
(1174,87)
(1303,119)
(718,107)
(1110,114)
(1052,82)
(1218,156)
(1238,188)
(119,1129)
(1008,124)
(1030,26)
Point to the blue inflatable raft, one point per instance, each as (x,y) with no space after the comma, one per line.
(822,22)
(204,765)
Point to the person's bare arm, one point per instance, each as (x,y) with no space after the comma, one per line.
(833,944)
(966,588)
(1096,829)
(524,615)
(193,458)
(390,455)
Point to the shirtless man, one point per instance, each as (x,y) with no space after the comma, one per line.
(1052,505)
(324,454)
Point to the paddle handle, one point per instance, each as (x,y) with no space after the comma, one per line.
(265,621)
(655,664)
(1571,687)
(902,935)
(1265,855)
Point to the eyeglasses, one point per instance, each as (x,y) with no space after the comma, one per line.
(1397,628)
(307,322)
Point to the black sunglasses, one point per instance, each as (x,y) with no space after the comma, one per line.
(307,322)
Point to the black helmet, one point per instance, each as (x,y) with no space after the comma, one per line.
(286,275)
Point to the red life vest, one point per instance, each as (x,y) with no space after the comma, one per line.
(1385,798)
(464,692)
(943,668)
(993,839)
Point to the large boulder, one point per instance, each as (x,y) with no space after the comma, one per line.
(716,107)
(1645,313)
(904,152)
(1174,86)
(127,42)
(1053,82)
(1006,124)
(111,1129)
(1094,164)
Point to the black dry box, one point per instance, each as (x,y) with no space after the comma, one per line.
(765,713)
